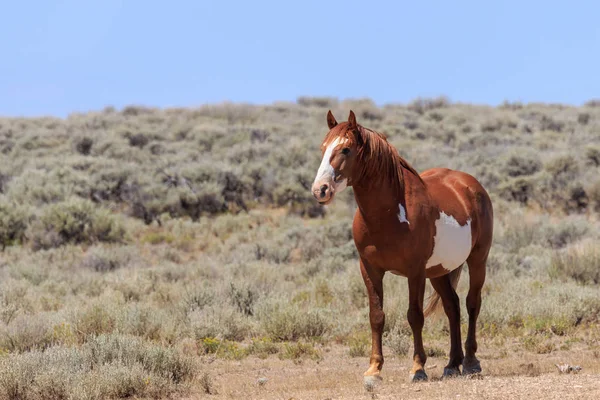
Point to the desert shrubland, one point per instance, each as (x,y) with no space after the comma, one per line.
(139,244)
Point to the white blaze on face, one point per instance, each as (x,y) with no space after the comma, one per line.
(452,243)
(326,171)
(402,214)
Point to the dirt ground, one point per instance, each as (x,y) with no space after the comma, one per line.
(338,376)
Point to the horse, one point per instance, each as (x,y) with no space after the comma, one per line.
(414,225)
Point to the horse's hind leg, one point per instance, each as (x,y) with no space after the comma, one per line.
(451,302)
(477,265)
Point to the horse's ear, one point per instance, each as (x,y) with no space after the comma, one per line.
(331,122)
(352,121)
(353,125)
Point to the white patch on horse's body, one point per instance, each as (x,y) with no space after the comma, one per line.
(326,170)
(452,243)
(402,214)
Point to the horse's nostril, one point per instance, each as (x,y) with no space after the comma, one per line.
(324,190)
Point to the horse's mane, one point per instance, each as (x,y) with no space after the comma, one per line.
(377,158)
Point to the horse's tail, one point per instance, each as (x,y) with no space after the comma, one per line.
(434,305)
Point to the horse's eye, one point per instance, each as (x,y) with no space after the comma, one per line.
(345,151)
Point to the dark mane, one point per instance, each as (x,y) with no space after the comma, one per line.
(378,159)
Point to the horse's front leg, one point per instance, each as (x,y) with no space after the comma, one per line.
(374,282)
(416,319)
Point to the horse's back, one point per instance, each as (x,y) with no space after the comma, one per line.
(461,196)
(451,178)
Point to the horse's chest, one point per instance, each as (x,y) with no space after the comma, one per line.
(452,243)
(393,251)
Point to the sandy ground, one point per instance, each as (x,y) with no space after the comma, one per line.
(338,376)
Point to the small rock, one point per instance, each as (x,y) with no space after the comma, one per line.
(567,369)
(261,381)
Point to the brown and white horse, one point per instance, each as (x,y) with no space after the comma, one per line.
(417,226)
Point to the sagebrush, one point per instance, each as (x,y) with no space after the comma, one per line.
(139,244)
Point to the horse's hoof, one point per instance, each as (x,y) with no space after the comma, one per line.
(418,376)
(471,367)
(371,382)
(451,372)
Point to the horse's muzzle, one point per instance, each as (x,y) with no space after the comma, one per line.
(322,192)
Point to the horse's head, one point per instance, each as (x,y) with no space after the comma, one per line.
(339,148)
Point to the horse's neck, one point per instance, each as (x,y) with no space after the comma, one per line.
(377,199)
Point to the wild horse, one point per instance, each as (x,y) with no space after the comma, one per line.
(417,226)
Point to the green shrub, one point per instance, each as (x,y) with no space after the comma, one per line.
(182,201)
(138,140)
(593,191)
(566,232)
(537,344)
(581,263)
(519,232)
(244,298)
(198,299)
(421,105)
(564,166)
(592,156)
(587,311)
(517,189)
(114,366)
(40,187)
(95,319)
(219,321)
(17,376)
(73,222)
(323,102)
(25,333)
(298,199)
(399,341)
(130,350)
(222,348)
(13,224)
(583,118)
(143,321)
(207,384)
(522,163)
(106,259)
(300,350)
(359,345)
(262,347)
(289,322)
(492,125)
(434,351)
(83,145)
(568,196)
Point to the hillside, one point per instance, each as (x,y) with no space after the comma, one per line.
(224,158)
(141,244)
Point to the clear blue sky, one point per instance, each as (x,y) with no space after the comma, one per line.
(77,55)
